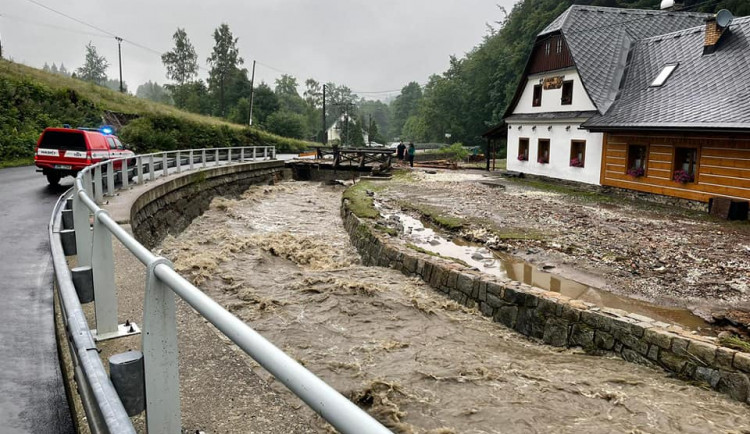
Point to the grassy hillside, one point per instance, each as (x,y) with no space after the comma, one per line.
(31,100)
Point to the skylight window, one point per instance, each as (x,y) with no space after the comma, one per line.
(664,75)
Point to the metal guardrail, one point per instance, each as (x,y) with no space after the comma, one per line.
(102,405)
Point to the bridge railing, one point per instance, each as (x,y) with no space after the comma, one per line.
(93,247)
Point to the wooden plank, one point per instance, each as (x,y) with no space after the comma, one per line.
(659,165)
(727,181)
(726,162)
(726,153)
(726,171)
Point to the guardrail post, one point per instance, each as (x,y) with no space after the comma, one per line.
(242,154)
(216,160)
(203,157)
(139,169)
(273,152)
(82,227)
(124,174)
(265,152)
(103,265)
(110,178)
(151,168)
(159,346)
(178,162)
(191,159)
(254,149)
(164,164)
(229,155)
(98,187)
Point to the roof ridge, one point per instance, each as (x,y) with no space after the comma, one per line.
(690,30)
(636,11)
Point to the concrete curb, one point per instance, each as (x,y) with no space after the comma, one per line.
(560,321)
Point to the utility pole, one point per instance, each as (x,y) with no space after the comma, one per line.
(369,130)
(325,125)
(346,127)
(252,94)
(119,56)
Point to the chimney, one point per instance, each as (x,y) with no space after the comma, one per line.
(716,27)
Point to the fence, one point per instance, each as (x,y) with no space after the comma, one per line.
(103,407)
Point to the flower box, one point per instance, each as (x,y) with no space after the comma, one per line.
(683,177)
(575,162)
(636,172)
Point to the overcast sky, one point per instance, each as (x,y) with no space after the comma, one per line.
(369,45)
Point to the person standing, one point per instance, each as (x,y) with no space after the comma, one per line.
(400,150)
(411,151)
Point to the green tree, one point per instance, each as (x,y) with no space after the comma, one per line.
(286,124)
(114,84)
(372,132)
(265,103)
(94,68)
(182,61)
(224,61)
(313,93)
(153,92)
(286,85)
(405,105)
(380,112)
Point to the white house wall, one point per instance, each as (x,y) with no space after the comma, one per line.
(559,159)
(551,98)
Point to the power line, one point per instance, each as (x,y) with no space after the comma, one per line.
(72,18)
(41,24)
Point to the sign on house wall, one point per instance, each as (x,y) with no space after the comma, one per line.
(553,82)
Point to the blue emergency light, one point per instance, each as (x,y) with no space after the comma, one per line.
(106,129)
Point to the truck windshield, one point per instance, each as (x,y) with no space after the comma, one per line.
(70,141)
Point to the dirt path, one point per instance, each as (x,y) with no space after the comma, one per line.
(280,260)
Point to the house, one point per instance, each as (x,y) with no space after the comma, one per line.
(337,130)
(681,124)
(574,74)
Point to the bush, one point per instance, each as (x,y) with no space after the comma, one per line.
(455,152)
(286,124)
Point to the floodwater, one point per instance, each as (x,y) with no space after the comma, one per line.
(280,260)
(429,238)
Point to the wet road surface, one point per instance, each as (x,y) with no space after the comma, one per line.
(420,363)
(32,395)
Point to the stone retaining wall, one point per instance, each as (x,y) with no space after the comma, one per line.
(169,208)
(558,320)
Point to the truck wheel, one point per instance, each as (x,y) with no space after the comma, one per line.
(53,178)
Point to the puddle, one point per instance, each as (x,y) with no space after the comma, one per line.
(505,266)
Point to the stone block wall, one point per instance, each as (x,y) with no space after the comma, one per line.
(560,321)
(169,208)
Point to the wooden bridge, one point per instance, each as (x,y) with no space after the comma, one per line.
(359,157)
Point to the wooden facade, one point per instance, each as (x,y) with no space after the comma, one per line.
(721,169)
(549,54)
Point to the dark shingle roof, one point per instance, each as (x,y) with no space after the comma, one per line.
(551,116)
(704,91)
(600,38)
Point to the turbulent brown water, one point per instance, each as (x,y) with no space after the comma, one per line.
(280,260)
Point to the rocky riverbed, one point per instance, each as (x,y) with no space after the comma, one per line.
(280,259)
(664,255)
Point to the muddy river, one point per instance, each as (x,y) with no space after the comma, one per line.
(279,259)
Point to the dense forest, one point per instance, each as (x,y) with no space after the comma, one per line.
(474,92)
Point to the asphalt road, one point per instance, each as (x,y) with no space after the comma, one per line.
(32,395)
